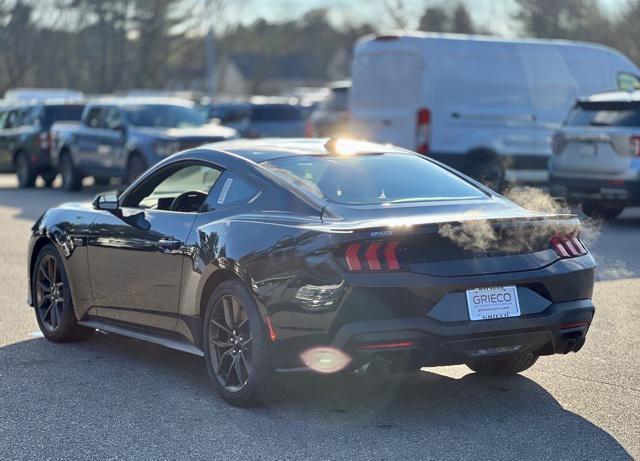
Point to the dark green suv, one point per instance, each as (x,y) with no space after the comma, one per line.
(25,138)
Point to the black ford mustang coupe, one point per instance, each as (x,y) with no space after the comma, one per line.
(312,255)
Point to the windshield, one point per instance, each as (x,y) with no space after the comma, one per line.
(163,115)
(372,179)
(275,113)
(69,113)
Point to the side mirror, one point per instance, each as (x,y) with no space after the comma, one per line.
(107,201)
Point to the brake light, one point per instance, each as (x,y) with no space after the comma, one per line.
(634,144)
(423,131)
(375,256)
(567,246)
(44,140)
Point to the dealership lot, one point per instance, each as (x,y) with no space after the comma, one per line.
(117,398)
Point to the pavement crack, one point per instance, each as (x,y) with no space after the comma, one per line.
(606,383)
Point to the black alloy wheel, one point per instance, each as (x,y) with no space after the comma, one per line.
(50,293)
(230,343)
(52,299)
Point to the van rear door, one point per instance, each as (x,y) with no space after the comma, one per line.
(386,93)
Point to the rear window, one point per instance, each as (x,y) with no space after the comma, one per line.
(275,113)
(54,114)
(373,179)
(623,115)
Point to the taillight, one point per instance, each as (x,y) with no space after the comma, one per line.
(567,246)
(634,145)
(308,129)
(423,131)
(374,256)
(44,140)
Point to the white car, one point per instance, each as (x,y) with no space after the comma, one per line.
(487,106)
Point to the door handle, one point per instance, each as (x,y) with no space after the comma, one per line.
(169,244)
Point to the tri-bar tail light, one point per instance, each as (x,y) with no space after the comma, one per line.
(373,256)
(567,246)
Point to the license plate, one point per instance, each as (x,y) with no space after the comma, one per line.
(493,303)
(587,150)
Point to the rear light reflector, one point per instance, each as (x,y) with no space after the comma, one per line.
(634,145)
(378,346)
(567,246)
(423,131)
(353,261)
(375,256)
(567,326)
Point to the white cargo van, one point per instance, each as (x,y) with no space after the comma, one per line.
(485,105)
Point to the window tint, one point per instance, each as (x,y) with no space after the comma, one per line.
(230,190)
(605,115)
(163,115)
(111,118)
(371,179)
(628,82)
(30,116)
(275,112)
(70,113)
(94,117)
(13,119)
(161,189)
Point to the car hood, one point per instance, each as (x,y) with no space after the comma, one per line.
(210,131)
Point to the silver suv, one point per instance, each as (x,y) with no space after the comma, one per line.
(596,157)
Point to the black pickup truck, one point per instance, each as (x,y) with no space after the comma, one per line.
(122,137)
(25,139)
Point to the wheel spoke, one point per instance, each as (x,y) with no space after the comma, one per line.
(246,341)
(219,325)
(227,306)
(232,366)
(44,273)
(238,370)
(42,306)
(44,287)
(220,344)
(235,311)
(54,314)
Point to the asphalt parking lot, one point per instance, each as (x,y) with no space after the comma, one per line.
(117,398)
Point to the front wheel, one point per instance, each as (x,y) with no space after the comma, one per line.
(52,299)
(24,171)
(501,366)
(71,178)
(236,346)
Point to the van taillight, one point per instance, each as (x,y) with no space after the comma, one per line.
(44,140)
(634,144)
(423,131)
(567,246)
(374,256)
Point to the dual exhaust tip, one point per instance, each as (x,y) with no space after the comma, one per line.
(381,366)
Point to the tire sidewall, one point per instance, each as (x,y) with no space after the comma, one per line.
(72,181)
(26,179)
(260,376)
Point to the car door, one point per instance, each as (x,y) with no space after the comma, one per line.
(101,142)
(136,253)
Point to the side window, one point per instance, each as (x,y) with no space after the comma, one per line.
(188,183)
(13,119)
(3,119)
(94,117)
(230,190)
(628,82)
(31,116)
(112,119)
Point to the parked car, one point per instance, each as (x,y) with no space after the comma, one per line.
(487,106)
(121,138)
(331,117)
(299,255)
(25,139)
(597,154)
(261,119)
(41,94)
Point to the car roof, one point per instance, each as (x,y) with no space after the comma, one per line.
(141,100)
(612,96)
(266,149)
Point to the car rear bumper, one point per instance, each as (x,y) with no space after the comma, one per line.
(575,189)
(561,328)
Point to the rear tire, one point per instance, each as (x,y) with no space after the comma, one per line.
(232,313)
(101,181)
(52,299)
(135,167)
(24,171)
(503,366)
(71,178)
(602,210)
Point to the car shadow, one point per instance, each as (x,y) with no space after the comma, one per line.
(119,397)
